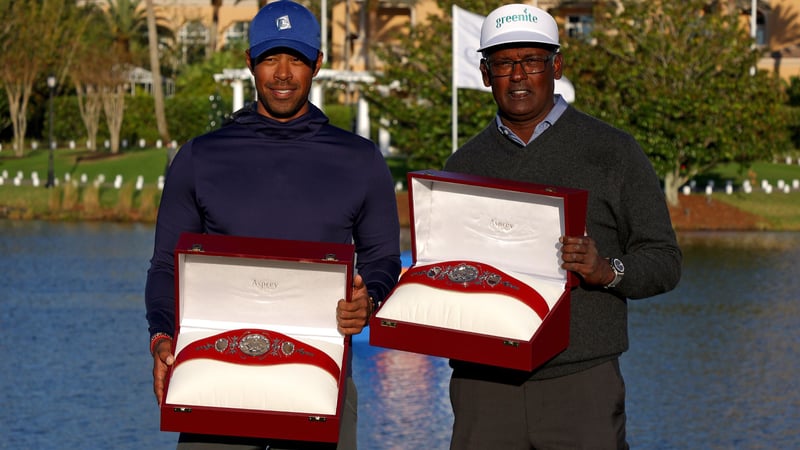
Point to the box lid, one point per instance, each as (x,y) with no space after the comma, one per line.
(508,224)
(292,286)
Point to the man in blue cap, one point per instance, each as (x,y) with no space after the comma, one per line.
(278,170)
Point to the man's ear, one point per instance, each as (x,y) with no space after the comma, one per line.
(317,64)
(248,60)
(558,65)
(487,80)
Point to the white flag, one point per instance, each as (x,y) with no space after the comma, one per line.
(466,59)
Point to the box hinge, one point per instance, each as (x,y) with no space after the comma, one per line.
(330,257)
(182,410)
(511,343)
(317,419)
(388,323)
(197,248)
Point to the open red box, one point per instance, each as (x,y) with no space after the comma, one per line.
(257,349)
(485,285)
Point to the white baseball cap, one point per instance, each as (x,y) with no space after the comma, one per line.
(518,23)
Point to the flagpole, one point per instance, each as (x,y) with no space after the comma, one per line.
(454,106)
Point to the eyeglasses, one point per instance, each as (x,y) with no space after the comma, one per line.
(531,65)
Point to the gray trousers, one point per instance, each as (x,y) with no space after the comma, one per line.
(584,410)
(347,434)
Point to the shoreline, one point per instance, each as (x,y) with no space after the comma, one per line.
(696,213)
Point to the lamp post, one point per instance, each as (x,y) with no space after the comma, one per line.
(51,179)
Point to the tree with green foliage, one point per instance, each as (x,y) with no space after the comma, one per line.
(86,73)
(35,41)
(676,75)
(680,76)
(793,94)
(198,99)
(413,93)
(126,21)
(130,24)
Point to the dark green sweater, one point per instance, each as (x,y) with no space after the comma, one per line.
(627,216)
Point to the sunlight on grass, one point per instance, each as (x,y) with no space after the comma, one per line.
(780,209)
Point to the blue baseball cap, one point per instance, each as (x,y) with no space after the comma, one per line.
(286,24)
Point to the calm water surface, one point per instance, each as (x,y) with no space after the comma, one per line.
(712,365)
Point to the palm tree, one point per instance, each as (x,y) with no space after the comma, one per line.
(155,66)
(135,28)
(212,33)
(128,27)
(127,22)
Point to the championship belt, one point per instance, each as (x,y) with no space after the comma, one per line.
(257,347)
(472,277)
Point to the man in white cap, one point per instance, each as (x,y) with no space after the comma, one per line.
(629,251)
(278,170)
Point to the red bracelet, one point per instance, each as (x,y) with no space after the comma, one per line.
(155,339)
(470,276)
(257,347)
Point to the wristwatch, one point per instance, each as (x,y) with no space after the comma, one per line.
(619,272)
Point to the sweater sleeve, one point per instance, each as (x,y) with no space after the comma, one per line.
(647,243)
(177,213)
(377,232)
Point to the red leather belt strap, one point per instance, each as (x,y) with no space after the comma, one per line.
(469,276)
(257,347)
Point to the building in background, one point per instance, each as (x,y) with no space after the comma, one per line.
(353,26)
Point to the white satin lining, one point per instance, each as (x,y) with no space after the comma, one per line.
(300,388)
(517,231)
(485,313)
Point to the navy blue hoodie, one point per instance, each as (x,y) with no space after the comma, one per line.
(301,180)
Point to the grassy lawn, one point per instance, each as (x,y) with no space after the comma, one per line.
(782,210)
(90,199)
(771,172)
(28,201)
(149,163)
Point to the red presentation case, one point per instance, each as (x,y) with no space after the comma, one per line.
(479,247)
(285,292)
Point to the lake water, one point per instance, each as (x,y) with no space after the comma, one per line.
(712,365)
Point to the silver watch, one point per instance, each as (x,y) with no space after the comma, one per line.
(619,272)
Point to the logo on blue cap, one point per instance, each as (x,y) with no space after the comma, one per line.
(283,23)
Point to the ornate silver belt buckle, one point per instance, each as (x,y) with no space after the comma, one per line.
(254,345)
(463,273)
